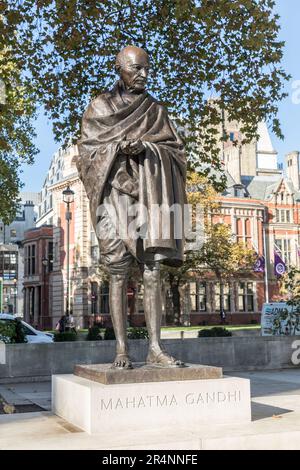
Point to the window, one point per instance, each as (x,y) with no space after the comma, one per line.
(33,259)
(94,297)
(27,331)
(248,233)
(245,297)
(13,233)
(198,296)
(30,260)
(231,136)
(8,265)
(104,298)
(283,216)
(239,231)
(226,297)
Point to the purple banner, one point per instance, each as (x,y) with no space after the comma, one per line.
(279,264)
(259,266)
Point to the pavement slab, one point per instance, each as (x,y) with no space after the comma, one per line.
(275,423)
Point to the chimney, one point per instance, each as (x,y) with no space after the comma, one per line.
(292,168)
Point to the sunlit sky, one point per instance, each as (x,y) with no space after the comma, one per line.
(289,112)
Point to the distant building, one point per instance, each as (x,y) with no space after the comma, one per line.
(11,275)
(25,218)
(260,199)
(11,252)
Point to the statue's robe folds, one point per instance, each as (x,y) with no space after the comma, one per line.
(153,178)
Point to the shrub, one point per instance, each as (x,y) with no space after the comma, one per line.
(94,334)
(7,330)
(65,336)
(12,332)
(213,332)
(20,335)
(137,333)
(109,333)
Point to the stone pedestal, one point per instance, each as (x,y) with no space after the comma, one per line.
(99,408)
(106,374)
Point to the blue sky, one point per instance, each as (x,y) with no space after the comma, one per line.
(289,111)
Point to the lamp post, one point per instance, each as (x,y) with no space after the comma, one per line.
(263,220)
(15,296)
(1,295)
(45,262)
(68,198)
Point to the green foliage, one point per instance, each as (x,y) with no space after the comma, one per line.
(12,332)
(221,254)
(132,333)
(65,336)
(94,333)
(7,331)
(64,52)
(287,322)
(17,109)
(215,331)
(137,333)
(109,334)
(20,336)
(290,286)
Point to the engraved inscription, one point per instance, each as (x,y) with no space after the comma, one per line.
(164,401)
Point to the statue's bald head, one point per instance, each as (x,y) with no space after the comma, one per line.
(132,64)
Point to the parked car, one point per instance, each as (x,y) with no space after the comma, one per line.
(32,335)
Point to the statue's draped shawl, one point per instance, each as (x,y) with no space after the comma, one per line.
(111,118)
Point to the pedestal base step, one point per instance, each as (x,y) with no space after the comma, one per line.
(106,374)
(107,409)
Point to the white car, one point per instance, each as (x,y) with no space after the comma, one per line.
(32,335)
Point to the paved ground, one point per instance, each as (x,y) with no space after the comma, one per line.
(275,422)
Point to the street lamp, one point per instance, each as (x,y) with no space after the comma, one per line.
(1,295)
(15,296)
(68,198)
(45,262)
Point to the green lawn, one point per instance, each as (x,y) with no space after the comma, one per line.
(202,327)
(191,328)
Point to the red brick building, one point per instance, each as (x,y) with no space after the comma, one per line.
(37,285)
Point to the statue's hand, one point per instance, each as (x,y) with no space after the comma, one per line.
(137,147)
(132,147)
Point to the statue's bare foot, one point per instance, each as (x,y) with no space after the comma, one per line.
(122,361)
(163,359)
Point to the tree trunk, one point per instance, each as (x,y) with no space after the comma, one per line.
(174,286)
(222,311)
(185,304)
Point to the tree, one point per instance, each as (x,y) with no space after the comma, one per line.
(16,130)
(223,256)
(65,51)
(290,286)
